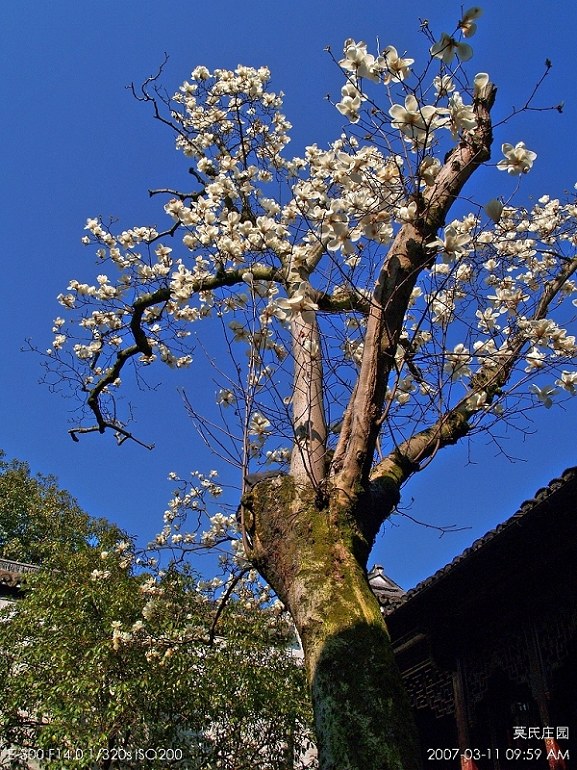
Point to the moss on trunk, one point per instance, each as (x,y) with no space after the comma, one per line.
(310,554)
(362,717)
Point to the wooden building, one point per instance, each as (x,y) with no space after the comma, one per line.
(12,578)
(488,645)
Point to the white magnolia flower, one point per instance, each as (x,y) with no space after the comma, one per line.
(454,245)
(467,25)
(350,102)
(444,85)
(258,426)
(298,303)
(482,85)
(568,381)
(99,574)
(457,362)
(488,320)
(407,213)
(404,388)
(397,67)
(493,209)
(239,331)
(447,48)
(535,359)
(59,341)
(518,159)
(226,397)
(414,121)
(476,400)
(545,394)
(359,61)
(428,169)
(461,117)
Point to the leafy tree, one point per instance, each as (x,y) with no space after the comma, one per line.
(104,667)
(370,314)
(36,517)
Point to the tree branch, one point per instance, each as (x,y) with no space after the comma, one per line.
(122,434)
(223,602)
(407,459)
(142,345)
(406,258)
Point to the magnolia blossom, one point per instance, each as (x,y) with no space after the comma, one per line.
(259,425)
(454,245)
(226,397)
(397,67)
(466,25)
(461,117)
(457,362)
(415,122)
(447,48)
(298,303)
(408,212)
(336,229)
(568,381)
(488,320)
(428,169)
(99,574)
(358,61)
(518,159)
(59,341)
(405,387)
(239,331)
(545,394)
(476,401)
(350,103)
(281,456)
(482,84)
(493,209)
(444,85)
(535,359)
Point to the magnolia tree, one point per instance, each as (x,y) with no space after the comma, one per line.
(104,664)
(104,669)
(370,313)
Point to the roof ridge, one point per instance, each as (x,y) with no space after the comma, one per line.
(542,494)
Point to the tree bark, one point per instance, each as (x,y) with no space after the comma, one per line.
(314,556)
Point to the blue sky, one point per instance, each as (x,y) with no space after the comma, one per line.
(75,144)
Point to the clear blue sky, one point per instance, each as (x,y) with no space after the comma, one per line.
(75,144)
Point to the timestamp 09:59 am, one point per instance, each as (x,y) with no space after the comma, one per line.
(509,754)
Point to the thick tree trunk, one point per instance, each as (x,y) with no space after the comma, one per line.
(362,718)
(314,559)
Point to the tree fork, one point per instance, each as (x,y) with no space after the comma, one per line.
(315,559)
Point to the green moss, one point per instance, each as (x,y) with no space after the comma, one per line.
(310,555)
(363,717)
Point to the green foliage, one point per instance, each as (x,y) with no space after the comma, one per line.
(103,665)
(37,519)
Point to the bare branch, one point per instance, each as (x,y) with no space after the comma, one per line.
(122,435)
(223,602)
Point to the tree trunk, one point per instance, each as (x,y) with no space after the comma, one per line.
(315,559)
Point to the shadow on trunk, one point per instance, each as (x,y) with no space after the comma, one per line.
(357,691)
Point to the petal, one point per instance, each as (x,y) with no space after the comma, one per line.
(464,51)
(411,103)
(398,113)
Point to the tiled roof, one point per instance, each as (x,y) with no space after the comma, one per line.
(12,573)
(518,518)
(389,594)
